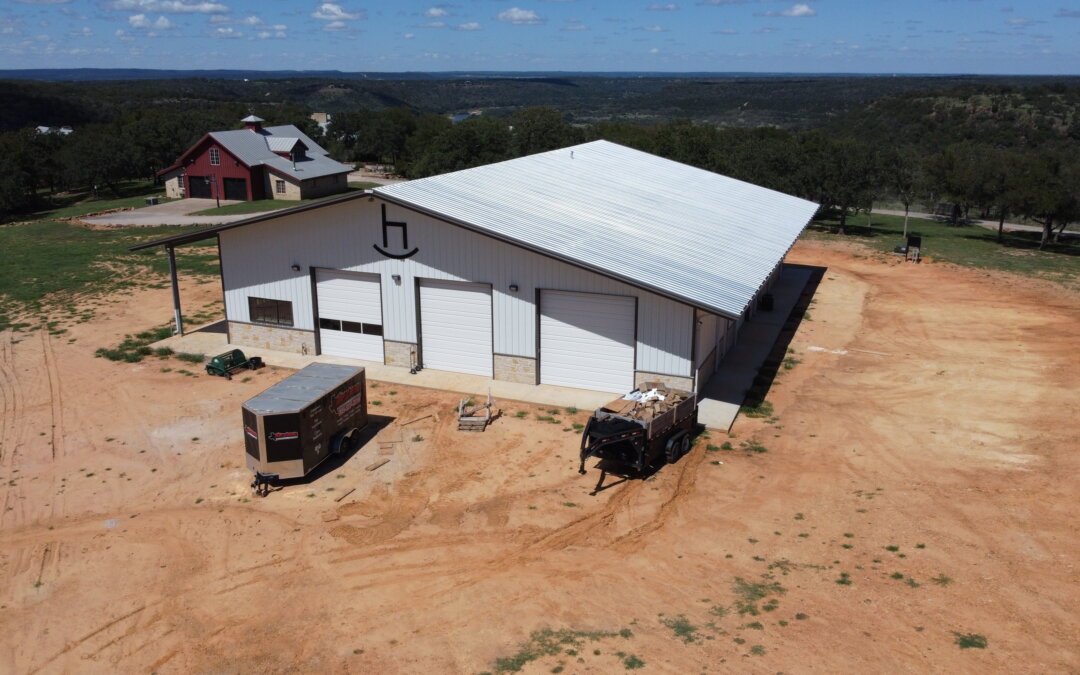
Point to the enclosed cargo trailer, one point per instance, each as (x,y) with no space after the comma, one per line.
(292,427)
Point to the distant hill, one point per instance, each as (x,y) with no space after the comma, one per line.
(78,96)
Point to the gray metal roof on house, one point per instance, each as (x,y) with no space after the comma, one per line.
(253,148)
(695,235)
(282,143)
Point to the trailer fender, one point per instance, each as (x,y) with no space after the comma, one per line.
(344,441)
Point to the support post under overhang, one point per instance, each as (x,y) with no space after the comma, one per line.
(175,291)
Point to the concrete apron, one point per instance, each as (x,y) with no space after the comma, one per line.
(720,400)
(725,392)
(201,341)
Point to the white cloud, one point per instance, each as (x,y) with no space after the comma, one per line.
(329,11)
(409,36)
(435,13)
(434,24)
(799,10)
(226,33)
(654,50)
(82,32)
(574,24)
(44,2)
(718,3)
(169,6)
(670,7)
(141,21)
(1018,21)
(335,25)
(727,31)
(271,35)
(653,29)
(520,17)
(472,25)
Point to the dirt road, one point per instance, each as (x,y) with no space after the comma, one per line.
(915,487)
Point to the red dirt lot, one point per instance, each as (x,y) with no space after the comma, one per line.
(918,485)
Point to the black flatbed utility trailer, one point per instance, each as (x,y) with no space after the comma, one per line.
(293,426)
(635,434)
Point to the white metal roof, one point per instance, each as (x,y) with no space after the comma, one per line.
(691,234)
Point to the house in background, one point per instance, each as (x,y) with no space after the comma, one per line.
(255,162)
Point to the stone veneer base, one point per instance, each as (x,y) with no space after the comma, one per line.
(272,337)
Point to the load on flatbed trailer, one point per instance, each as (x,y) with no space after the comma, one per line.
(637,429)
(293,426)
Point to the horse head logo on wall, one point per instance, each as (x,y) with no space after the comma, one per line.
(394,233)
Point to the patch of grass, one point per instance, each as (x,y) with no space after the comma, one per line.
(790,362)
(753,446)
(547,418)
(189,357)
(681,627)
(521,414)
(966,245)
(749,594)
(892,548)
(571,410)
(757,650)
(578,426)
(897,575)
(845,579)
(547,642)
(570,505)
(632,662)
(376,403)
(763,409)
(726,445)
(970,640)
(941,580)
(417,438)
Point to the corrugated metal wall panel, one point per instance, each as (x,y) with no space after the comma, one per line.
(257,260)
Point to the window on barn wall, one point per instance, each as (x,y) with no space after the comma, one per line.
(274,312)
(215,157)
(279,187)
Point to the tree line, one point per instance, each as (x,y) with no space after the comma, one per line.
(999,152)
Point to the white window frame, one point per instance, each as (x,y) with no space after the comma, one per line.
(279,187)
(215,157)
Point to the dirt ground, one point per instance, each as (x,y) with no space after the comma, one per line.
(917,489)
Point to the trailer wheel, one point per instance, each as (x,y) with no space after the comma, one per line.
(346,442)
(684,445)
(673,447)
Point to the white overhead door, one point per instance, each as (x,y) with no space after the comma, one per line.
(350,314)
(455,326)
(587,340)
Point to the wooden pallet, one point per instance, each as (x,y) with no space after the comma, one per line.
(476,418)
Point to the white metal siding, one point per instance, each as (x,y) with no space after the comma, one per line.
(256,260)
(348,296)
(587,341)
(455,320)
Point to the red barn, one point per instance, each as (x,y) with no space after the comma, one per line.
(255,162)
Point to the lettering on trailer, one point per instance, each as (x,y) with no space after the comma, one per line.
(345,401)
(283,435)
(399,228)
(251,432)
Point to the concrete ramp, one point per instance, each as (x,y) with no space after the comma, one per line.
(725,392)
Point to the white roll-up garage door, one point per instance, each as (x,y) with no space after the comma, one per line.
(587,340)
(350,314)
(455,326)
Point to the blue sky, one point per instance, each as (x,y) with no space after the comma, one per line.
(811,36)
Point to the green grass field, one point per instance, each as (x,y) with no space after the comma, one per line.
(47,262)
(129,194)
(264,205)
(967,245)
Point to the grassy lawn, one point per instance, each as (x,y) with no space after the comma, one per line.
(131,194)
(264,205)
(968,245)
(48,262)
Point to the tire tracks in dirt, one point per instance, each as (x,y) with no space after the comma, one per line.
(56,396)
